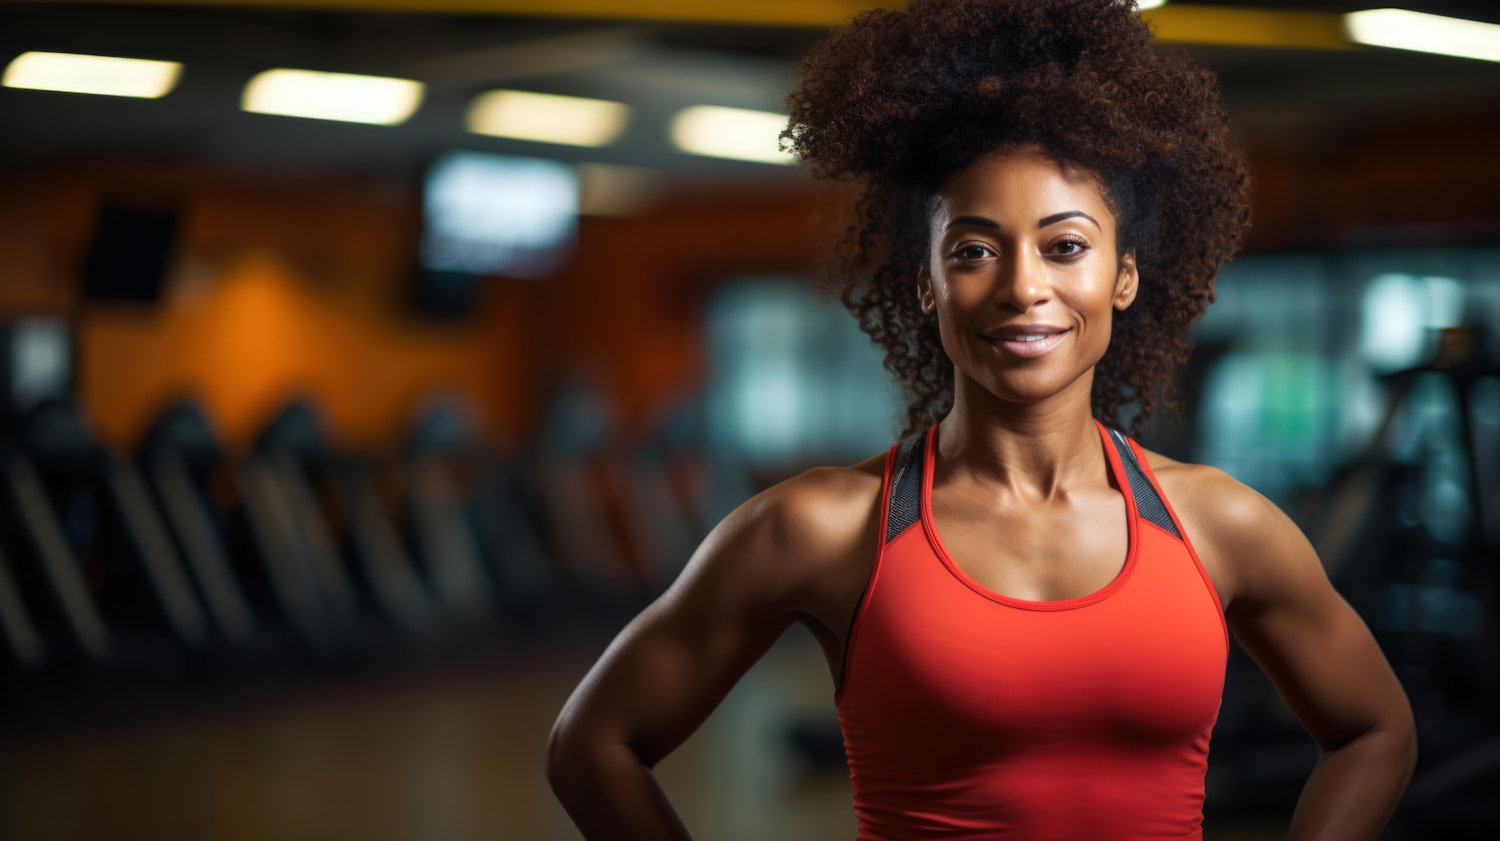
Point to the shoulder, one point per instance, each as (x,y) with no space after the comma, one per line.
(819,505)
(797,542)
(815,518)
(1250,543)
(1209,497)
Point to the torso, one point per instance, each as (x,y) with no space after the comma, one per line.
(1009,683)
(1082,558)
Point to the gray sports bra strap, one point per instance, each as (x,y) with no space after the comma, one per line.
(1147,501)
(905,505)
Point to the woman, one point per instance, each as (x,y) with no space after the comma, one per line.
(1026,616)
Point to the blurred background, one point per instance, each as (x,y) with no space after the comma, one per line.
(365,365)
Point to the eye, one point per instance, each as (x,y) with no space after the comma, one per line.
(1070,247)
(972,251)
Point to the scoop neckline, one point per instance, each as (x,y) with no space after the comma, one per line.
(1117,470)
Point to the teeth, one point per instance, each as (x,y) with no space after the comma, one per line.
(1028,338)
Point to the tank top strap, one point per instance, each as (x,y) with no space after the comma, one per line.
(1149,503)
(904,499)
(904,494)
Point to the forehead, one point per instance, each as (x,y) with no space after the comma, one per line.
(1023,183)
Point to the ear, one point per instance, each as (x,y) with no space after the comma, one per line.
(924,292)
(1128,282)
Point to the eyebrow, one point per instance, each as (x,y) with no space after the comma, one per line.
(983,222)
(1066,214)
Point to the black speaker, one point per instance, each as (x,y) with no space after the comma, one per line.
(445,296)
(128,257)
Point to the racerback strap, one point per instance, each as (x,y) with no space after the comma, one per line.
(905,505)
(1148,502)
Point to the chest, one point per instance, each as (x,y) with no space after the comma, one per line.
(1139,659)
(1054,552)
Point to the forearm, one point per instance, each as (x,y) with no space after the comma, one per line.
(1354,789)
(610,794)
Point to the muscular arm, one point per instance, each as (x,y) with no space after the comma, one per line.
(1322,660)
(760,570)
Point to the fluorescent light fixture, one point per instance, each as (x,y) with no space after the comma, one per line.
(376,100)
(548,118)
(1424,33)
(1143,5)
(97,74)
(734,133)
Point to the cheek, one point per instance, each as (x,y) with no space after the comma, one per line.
(1101,327)
(944,317)
(952,307)
(1111,324)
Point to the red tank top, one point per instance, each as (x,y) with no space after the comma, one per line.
(969,714)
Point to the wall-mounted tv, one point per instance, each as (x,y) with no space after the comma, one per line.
(497,215)
(37,363)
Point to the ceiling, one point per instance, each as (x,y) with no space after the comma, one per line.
(656,55)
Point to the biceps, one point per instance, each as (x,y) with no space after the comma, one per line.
(1323,661)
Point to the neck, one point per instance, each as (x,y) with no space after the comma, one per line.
(1041,449)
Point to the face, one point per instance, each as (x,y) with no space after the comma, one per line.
(1023,277)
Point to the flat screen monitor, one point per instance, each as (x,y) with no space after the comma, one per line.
(497,215)
(37,363)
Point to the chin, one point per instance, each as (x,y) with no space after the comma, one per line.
(1026,390)
(1023,393)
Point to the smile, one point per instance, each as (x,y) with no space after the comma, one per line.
(1030,343)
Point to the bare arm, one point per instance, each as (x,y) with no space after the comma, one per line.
(760,570)
(1323,661)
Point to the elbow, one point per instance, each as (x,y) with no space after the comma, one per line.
(1404,735)
(563,754)
(1410,745)
(577,756)
(1393,743)
(1390,741)
(1402,751)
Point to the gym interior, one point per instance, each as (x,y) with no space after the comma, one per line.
(341,428)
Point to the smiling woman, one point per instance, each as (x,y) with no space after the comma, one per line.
(1026,637)
(1024,277)
(1080,82)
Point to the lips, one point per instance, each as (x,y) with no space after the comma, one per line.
(1030,340)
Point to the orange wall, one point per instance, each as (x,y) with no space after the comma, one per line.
(1426,182)
(285,289)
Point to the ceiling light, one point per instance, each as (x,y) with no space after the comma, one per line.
(735,133)
(96,74)
(1143,5)
(1424,33)
(547,118)
(376,100)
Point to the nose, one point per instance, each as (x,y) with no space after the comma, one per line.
(1022,281)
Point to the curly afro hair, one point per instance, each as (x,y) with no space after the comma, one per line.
(902,99)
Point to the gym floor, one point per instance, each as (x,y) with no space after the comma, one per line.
(430,753)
